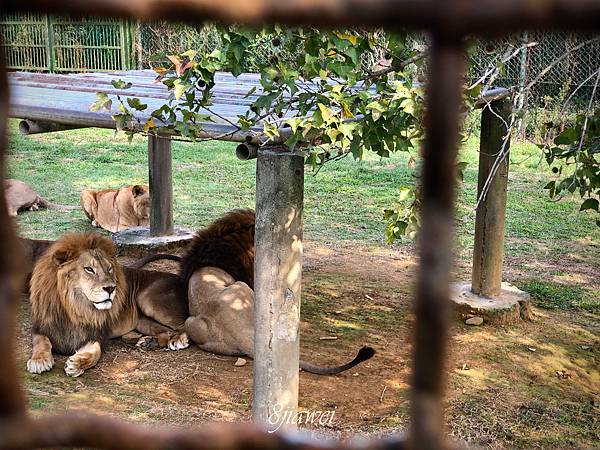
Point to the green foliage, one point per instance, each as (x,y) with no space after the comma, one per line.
(323,95)
(573,157)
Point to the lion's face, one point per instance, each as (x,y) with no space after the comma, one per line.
(141,204)
(90,278)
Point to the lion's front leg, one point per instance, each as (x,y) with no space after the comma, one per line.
(157,335)
(83,359)
(41,356)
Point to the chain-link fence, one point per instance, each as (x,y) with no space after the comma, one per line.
(555,63)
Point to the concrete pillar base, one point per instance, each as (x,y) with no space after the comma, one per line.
(132,240)
(509,307)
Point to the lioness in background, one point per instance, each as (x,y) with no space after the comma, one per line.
(81,296)
(21,197)
(117,209)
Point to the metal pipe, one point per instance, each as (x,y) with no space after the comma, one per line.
(246,151)
(27,127)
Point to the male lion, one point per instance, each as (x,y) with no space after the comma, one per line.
(117,209)
(21,197)
(218,270)
(80,297)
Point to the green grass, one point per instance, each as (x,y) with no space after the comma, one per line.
(344,202)
(550,295)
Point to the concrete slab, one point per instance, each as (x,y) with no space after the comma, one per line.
(139,238)
(509,307)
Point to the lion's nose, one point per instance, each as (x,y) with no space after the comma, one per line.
(109,289)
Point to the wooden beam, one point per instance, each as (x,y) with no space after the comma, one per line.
(488,252)
(277,281)
(161,185)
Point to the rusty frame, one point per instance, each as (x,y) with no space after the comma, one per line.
(448,21)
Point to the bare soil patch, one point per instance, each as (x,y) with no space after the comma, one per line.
(536,384)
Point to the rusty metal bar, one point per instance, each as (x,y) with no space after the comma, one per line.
(444,92)
(91,431)
(460,17)
(11,397)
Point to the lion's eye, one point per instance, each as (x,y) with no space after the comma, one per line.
(89,270)
(109,269)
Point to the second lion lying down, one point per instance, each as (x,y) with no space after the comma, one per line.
(218,270)
(81,296)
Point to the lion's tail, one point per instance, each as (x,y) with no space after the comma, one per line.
(148,259)
(43,203)
(363,354)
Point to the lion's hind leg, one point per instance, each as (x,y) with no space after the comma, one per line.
(222,313)
(41,356)
(89,204)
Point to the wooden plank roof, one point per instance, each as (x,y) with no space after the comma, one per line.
(66,99)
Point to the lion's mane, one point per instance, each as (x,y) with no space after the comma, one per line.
(227,243)
(57,310)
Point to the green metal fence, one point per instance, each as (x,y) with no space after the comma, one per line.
(58,44)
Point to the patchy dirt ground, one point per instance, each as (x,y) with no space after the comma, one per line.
(533,385)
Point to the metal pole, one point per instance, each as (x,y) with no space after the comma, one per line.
(277,281)
(488,252)
(161,185)
(444,92)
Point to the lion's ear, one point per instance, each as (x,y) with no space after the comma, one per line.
(138,190)
(62,256)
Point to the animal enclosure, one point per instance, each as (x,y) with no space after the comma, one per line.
(448,22)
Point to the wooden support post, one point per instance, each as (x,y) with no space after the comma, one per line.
(277,280)
(161,185)
(489,223)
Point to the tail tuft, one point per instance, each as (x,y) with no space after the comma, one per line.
(364,354)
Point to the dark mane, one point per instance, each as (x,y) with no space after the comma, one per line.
(227,243)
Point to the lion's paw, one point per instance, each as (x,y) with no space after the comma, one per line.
(179,342)
(74,366)
(147,343)
(40,364)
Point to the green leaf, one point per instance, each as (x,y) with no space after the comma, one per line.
(122,120)
(179,88)
(136,104)
(250,92)
(590,203)
(405,192)
(121,84)
(102,101)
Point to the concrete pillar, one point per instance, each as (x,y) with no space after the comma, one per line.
(161,185)
(488,252)
(277,282)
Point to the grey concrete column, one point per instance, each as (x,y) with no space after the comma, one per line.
(277,282)
(488,252)
(161,185)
